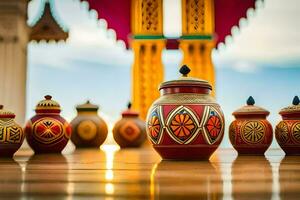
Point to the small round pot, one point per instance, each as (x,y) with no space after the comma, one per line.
(88,128)
(130,131)
(287,131)
(185,123)
(47,131)
(251,133)
(11,134)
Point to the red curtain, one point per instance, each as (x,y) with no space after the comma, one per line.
(117,14)
(228,14)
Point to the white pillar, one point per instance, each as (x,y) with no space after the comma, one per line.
(13,56)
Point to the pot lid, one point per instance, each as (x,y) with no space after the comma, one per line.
(6,113)
(129,112)
(88,106)
(292,109)
(251,109)
(47,104)
(185,81)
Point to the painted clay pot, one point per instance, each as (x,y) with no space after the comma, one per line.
(11,134)
(287,131)
(185,123)
(251,133)
(47,131)
(88,128)
(130,131)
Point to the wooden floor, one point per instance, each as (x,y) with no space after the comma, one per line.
(140,174)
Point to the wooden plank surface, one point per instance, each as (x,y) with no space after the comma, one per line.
(140,174)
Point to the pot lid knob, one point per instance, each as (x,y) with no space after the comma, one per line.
(48,97)
(129,105)
(250,101)
(129,111)
(184,70)
(296,101)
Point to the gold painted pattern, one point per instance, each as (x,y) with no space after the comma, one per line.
(296,132)
(47,130)
(10,133)
(87,130)
(253,132)
(282,132)
(187,98)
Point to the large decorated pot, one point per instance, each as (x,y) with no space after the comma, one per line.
(251,133)
(287,131)
(47,131)
(185,123)
(88,128)
(130,131)
(11,134)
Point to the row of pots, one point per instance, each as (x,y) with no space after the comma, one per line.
(48,132)
(185,123)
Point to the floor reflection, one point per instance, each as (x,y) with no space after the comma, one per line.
(46,176)
(289,178)
(188,180)
(10,178)
(110,151)
(252,178)
(112,173)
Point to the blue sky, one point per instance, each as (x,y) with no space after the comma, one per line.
(261,59)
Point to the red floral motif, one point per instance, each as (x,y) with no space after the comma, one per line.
(182,126)
(154,126)
(214,126)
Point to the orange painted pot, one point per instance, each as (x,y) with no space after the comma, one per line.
(185,123)
(47,131)
(88,128)
(130,131)
(11,134)
(287,131)
(251,133)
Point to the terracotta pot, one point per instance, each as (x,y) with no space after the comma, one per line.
(185,123)
(47,131)
(130,131)
(251,132)
(11,134)
(287,131)
(88,128)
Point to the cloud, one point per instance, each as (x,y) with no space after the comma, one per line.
(272,34)
(245,67)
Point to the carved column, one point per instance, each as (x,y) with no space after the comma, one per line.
(197,39)
(147,44)
(13,56)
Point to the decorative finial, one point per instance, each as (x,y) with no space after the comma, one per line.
(1,107)
(296,101)
(250,101)
(184,70)
(129,105)
(48,97)
(88,101)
